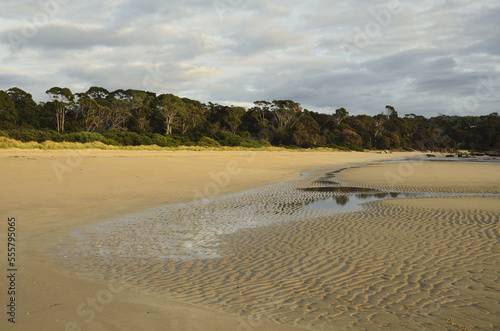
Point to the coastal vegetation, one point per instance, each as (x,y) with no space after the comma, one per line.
(121,118)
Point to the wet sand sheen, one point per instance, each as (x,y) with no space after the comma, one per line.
(398,264)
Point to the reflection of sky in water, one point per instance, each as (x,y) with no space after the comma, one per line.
(443,158)
(350,200)
(346,199)
(195,230)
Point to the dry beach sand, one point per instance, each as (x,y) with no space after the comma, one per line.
(52,192)
(409,263)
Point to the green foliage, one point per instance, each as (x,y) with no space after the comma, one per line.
(230,139)
(26,135)
(354,147)
(140,118)
(255,144)
(125,138)
(8,111)
(164,141)
(208,142)
(87,137)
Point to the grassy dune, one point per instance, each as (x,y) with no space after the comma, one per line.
(7,143)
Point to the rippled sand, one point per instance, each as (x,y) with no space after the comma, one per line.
(427,263)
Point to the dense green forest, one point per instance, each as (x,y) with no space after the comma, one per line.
(133,117)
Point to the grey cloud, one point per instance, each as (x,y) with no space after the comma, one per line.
(64,36)
(489,45)
(430,55)
(261,36)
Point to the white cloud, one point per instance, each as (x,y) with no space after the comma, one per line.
(420,57)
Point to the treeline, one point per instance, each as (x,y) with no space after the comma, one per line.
(134,117)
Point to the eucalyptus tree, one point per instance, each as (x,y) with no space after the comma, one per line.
(141,104)
(191,115)
(170,107)
(98,93)
(197,113)
(92,113)
(391,112)
(340,115)
(8,112)
(233,117)
(25,105)
(119,110)
(261,113)
(62,99)
(286,114)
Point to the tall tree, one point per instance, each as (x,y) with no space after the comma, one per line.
(98,93)
(8,112)
(140,107)
(391,112)
(310,130)
(120,110)
(170,107)
(196,112)
(93,114)
(340,115)
(233,117)
(286,114)
(380,119)
(260,112)
(62,99)
(191,115)
(25,105)
(491,128)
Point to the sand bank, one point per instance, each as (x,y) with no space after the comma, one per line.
(50,193)
(412,264)
(426,176)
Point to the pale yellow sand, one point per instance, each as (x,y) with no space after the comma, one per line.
(443,253)
(418,176)
(51,193)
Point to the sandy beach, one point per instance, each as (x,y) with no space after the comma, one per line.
(271,259)
(51,192)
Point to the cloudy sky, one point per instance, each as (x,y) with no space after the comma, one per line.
(424,57)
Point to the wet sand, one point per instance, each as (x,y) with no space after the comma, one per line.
(421,175)
(413,264)
(53,194)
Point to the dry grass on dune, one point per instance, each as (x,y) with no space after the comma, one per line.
(7,143)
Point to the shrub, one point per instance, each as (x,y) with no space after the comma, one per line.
(182,140)
(208,142)
(29,134)
(164,141)
(126,138)
(83,137)
(353,147)
(229,139)
(255,143)
(263,143)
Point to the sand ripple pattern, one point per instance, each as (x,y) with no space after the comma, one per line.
(261,253)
